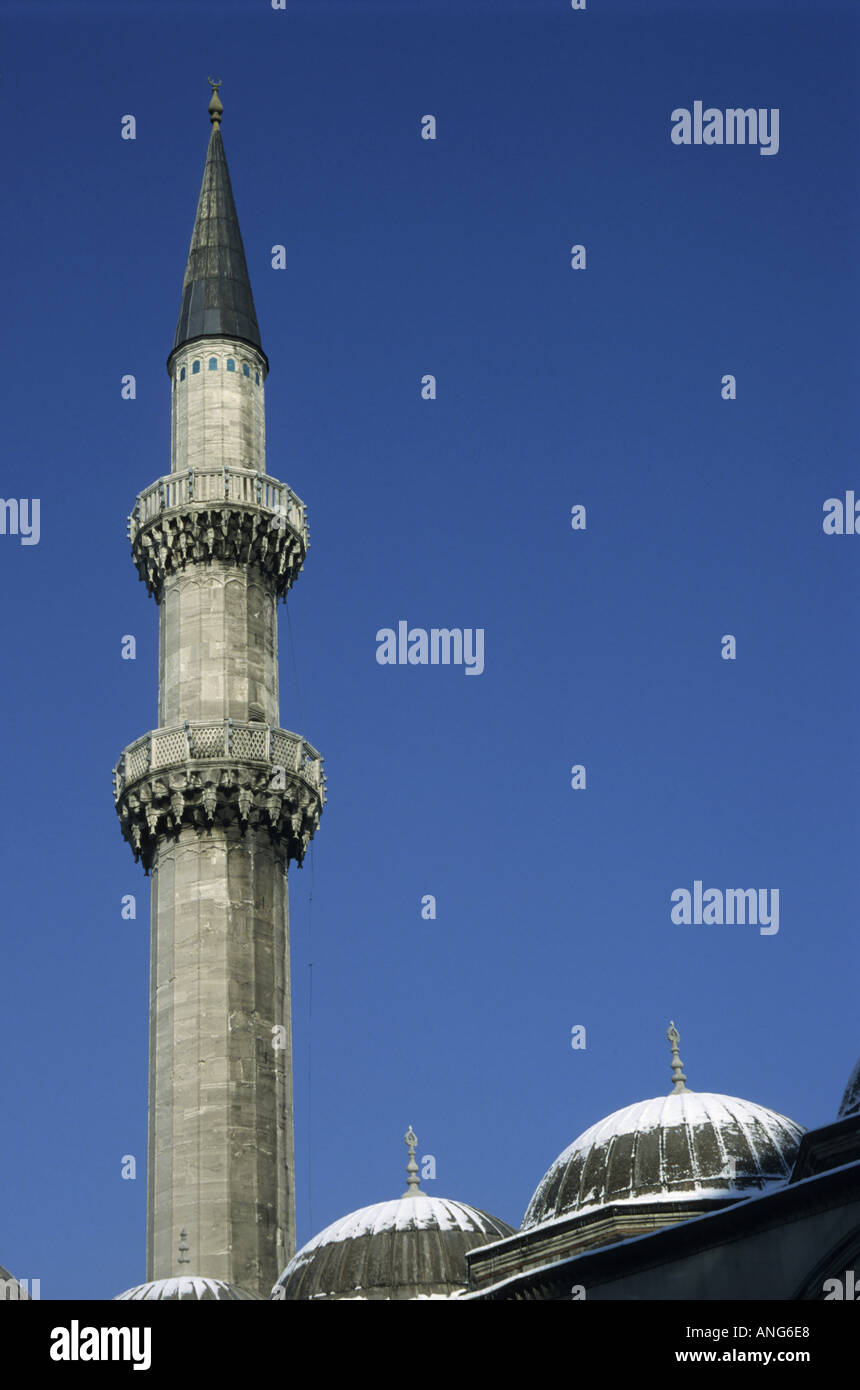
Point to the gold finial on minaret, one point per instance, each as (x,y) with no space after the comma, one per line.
(410,1139)
(215,107)
(677,1065)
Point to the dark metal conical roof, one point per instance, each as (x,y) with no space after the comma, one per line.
(216,293)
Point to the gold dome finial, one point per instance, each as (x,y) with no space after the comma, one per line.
(410,1139)
(677,1065)
(215,107)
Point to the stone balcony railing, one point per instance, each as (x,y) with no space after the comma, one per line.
(223,773)
(234,515)
(219,484)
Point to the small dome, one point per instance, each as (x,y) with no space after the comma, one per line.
(689,1144)
(188,1286)
(851,1099)
(410,1248)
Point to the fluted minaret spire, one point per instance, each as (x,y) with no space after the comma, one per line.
(216,293)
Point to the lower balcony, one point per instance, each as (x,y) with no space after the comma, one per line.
(219,774)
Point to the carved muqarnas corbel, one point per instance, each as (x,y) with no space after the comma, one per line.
(234,535)
(219,794)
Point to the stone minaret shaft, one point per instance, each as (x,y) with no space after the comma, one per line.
(218,799)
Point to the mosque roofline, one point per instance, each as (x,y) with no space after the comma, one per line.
(670,1243)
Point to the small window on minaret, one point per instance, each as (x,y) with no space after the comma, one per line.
(231,365)
(213,364)
(246,370)
(195,367)
(257,377)
(181,373)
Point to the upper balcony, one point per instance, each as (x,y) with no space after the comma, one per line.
(234,515)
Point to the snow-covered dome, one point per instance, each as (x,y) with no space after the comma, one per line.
(188,1286)
(687,1145)
(410,1248)
(851,1099)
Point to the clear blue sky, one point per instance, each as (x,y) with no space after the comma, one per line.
(555,387)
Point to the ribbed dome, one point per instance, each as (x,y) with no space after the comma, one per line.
(690,1144)
(412,1247)
(187,1286)
(851,1099)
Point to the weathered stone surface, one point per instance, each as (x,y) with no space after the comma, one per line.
(218,646)
(220,1087)
(218,417)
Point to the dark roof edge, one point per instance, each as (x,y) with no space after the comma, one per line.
(699,1233)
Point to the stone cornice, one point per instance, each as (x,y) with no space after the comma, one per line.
(232,515)
(219,774)
(577,1234)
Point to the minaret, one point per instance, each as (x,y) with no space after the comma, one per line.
(218,799)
